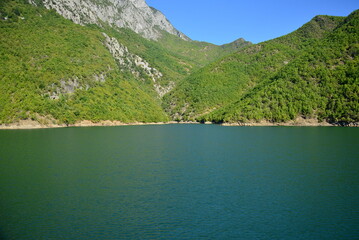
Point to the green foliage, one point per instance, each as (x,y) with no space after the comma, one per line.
(320,81)
(54,68)
(227,79)
(173,56)
(173,66)
(201,53)
(42,54)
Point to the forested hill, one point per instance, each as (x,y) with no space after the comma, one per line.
(312,73)
(55,71)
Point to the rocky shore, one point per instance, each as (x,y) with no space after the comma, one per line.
(31,124)
(299,122)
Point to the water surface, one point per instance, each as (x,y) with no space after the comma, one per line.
(180,182)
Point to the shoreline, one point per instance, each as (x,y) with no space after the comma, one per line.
(31,124)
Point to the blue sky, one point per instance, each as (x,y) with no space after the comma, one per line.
(223,21)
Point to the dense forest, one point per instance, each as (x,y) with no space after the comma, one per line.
(54,70)
(311,73)
(39,51)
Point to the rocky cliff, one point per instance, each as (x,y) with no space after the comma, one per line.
(135,64)
(133,14)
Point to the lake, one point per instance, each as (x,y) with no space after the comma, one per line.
(180,182)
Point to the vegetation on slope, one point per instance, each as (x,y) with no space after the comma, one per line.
(310,73)
(41,53)
(173,66)
(52,67)
(201,53)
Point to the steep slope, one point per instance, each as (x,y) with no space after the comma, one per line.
(133,14)
(137,16)
(321,83)
(201,53)
(54,69)
(231,84)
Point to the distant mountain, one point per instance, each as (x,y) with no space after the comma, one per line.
(133,14)
(311,73)
(200,52)
(237,44)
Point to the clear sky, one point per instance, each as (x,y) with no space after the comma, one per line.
(223,21)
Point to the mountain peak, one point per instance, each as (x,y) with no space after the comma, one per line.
(237,44)
(133,14)
(319,25)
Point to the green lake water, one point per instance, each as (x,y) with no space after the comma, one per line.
(180,182)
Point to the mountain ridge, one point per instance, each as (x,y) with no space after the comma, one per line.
(308,74)
(133,14)
(58,72)
(63,70)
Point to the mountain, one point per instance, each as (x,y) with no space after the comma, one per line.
(200,52)
(147,21)
(54,70)
(87,65)
(237,44)
(311,73)
(133,14)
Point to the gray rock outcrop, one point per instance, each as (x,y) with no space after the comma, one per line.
(135,64)
(133,14)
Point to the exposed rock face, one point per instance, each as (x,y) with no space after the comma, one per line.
(135,64)
(133,14)
(69,86)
